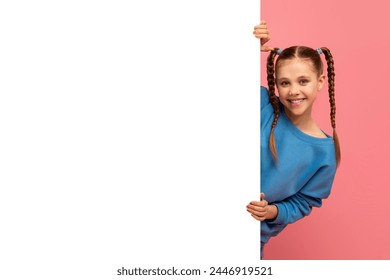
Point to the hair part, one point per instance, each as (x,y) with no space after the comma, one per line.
(301,52)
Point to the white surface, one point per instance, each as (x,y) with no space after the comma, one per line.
(129,135)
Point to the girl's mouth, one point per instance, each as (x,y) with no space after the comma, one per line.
(296,101)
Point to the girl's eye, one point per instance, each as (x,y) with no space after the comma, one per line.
(284,83)
(303,82)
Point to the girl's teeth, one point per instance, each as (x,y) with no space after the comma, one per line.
(296,101)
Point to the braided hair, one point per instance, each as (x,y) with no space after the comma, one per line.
(314,56)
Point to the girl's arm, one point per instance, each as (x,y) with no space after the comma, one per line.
(300,204)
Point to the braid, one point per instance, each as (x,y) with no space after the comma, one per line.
(273,99)
(331,74)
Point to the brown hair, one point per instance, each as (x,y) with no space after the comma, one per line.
(312,55)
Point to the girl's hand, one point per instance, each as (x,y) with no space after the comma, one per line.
(261,32)
(260,210)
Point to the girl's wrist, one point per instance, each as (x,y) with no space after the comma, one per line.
(272,212)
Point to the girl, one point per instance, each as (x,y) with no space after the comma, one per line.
(298,159)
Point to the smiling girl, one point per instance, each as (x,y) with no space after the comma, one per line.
(298,85)
(298,159)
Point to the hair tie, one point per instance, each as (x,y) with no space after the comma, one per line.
(319,50)
(279,51)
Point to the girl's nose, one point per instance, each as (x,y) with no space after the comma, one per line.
(294,91)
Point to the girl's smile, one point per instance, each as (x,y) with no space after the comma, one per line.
(296,102)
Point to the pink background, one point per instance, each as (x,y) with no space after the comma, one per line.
(353,222)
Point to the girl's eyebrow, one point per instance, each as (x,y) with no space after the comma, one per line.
(300,77)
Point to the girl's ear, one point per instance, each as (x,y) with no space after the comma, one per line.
(321,81)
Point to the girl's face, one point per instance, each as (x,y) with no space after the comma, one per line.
(298,84)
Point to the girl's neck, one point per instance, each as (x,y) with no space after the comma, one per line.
(302,122)
(307,125)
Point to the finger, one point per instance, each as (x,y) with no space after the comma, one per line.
(258,218)
(256,208)
(259,214)
(263,37)
(262,195)
(260,26)
(261,30)
(262,203)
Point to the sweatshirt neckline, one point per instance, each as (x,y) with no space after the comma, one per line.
(300,134)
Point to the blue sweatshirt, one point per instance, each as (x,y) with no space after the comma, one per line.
(304,173)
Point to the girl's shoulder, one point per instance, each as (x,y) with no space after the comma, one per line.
(264,99)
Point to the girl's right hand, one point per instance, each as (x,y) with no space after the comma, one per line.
(261,32)
(258,209)
(261,210)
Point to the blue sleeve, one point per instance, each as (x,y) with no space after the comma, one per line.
(264,99)
(300,204)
